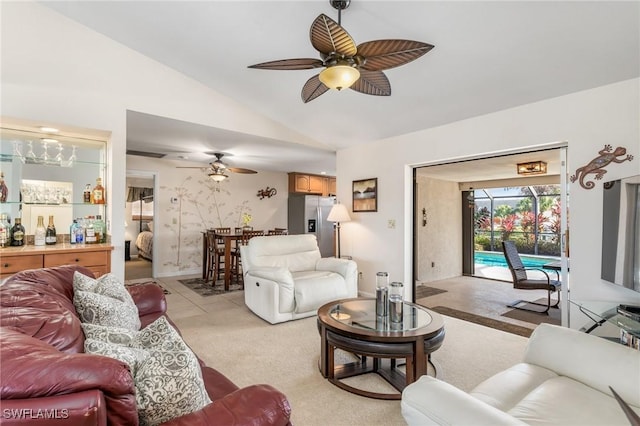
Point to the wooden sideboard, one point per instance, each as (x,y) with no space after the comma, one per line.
(96,257)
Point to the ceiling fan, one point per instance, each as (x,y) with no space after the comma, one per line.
(358,67)
(217,168)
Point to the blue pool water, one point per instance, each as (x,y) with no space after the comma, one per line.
(492,258)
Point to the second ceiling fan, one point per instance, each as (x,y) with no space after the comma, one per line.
(217,169)
(358,67)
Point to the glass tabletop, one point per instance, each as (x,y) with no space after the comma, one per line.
(361,314)
(601,312)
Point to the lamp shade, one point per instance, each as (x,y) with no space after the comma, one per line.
(339,76)
(339,213)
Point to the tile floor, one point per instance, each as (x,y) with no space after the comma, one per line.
(184,302)
(480,296)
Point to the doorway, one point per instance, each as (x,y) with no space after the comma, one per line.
(444,216)
(140,210)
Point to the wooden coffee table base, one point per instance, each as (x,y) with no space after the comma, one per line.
(385,368)
(380,358)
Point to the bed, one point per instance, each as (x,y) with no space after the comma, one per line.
(144,243)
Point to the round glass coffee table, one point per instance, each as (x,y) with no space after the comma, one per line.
(352,325)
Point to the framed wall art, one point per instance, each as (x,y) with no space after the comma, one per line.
(365,195)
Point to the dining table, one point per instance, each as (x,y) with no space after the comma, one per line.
(229,240)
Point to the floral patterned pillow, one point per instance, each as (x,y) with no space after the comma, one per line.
(169,382)
(133,357)
(108,334)
(104,310)
(107,285)
(104,301)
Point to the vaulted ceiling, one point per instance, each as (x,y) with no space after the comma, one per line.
(488,56)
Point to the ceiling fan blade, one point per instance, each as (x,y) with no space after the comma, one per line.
(313,88)
(384,54)
(372,83)
(328,37)
(289,64)
(241,170)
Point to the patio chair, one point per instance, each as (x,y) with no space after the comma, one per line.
(522,282)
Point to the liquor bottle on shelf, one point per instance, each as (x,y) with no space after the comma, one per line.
(80,231)
(72,231)
(39,236)
(90,231)
(86,195)
(17,233)
(98,195)
(101,229)
(51,237)
(5,231)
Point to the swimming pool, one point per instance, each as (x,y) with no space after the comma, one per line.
(494,258)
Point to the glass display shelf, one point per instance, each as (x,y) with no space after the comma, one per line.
(46,174)
(69,159)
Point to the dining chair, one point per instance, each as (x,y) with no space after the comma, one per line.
(237,259)
(217,253)
(212,256)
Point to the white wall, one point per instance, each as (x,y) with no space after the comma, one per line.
(586,120)
(57,71)
(440,240)
(202,204)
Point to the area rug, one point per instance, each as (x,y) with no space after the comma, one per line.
(532,317)
(204,288)
(144,281)
(488,322)
(426,291)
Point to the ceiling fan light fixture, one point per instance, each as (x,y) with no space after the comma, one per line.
(218,176)
(339,76)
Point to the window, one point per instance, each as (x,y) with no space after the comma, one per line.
(142,211)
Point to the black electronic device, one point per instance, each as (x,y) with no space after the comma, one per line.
(629,311)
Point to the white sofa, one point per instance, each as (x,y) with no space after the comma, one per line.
(285,277)
(563,379)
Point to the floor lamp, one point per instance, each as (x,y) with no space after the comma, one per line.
(338,213)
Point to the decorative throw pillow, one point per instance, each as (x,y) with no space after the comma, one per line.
(104,310)
(111,288)
(107,285)
(169,382)
(113,335)
(133,357)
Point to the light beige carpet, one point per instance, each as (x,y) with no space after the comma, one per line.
(249,350)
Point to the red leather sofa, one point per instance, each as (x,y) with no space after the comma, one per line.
(46,379)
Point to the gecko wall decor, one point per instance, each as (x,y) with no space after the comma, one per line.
(268,192)
(606,156)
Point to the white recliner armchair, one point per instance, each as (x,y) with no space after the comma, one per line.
(285,277)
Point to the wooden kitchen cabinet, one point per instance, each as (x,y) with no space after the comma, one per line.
(96,257)
(332,186)
(310,184)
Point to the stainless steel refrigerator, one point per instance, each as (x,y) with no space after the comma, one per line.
(308,215)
